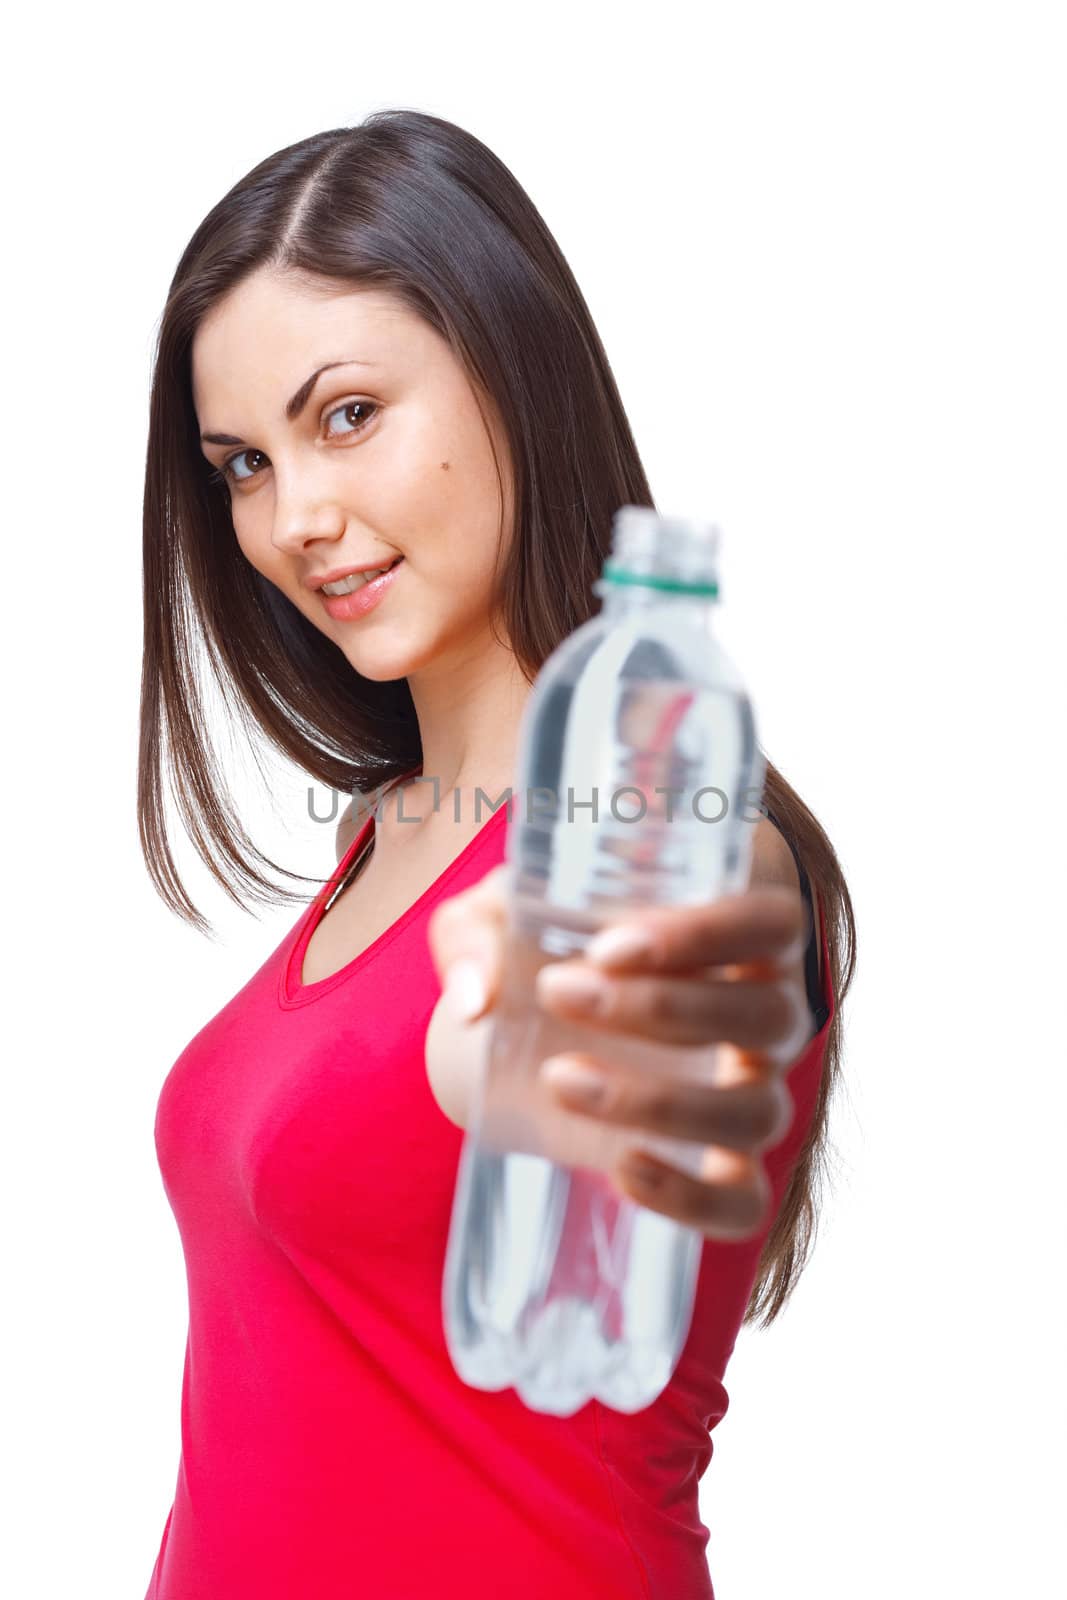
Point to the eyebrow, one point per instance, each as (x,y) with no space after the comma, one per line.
(294,406)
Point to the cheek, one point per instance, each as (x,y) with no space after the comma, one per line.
(264,558)
(249,542)
(457,525)
(440,490)
(247,546)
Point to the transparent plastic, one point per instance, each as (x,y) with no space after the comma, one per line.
(639,779)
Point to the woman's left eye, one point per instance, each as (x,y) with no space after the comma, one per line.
(226,472)
(351,405)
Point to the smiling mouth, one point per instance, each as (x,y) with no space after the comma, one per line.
(356,581)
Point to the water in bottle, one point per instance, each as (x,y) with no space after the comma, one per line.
(639,779)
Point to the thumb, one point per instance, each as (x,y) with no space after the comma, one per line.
(466,936)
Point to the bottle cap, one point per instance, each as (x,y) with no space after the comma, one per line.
(673,553)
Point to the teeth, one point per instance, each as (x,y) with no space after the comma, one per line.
(355,580)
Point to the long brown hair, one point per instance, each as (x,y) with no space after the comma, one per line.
(412,204)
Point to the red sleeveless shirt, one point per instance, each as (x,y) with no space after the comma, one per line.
(328,1448)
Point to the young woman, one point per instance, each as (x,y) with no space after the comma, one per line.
(373,359)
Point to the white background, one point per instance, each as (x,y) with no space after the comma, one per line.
(824,245)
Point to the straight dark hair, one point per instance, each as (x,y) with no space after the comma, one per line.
(412,204)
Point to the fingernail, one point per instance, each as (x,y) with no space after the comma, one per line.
(619,944)
(580,1083)
(465,992)
(584,991)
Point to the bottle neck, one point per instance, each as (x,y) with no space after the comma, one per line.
(638,594)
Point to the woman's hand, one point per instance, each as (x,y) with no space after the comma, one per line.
(728,973)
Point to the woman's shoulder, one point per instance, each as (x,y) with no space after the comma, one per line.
(772,859)
(774,862)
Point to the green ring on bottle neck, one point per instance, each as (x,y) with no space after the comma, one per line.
(619,575)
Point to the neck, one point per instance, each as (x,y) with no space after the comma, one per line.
(468,711)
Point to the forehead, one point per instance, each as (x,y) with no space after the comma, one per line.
(274,329)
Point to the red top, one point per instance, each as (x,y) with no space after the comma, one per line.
(329,1448)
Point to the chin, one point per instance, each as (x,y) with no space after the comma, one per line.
(383,666)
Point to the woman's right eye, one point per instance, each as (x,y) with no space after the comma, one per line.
(225,473)
(228,466)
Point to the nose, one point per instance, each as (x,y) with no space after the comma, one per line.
(303,514)
(299,523)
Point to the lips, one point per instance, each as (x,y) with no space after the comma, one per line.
(360,600)
(361,572)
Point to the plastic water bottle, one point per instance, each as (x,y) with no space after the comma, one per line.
(639,783)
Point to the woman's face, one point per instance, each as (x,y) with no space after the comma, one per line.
(387,456)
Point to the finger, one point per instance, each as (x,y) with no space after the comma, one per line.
(730,1201)
(465,934)
(748,1115)
(769,1015)
(765,928)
